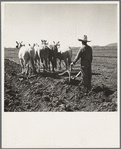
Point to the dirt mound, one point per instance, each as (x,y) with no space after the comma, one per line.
(49,92)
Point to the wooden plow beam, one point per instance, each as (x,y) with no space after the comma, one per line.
(69,73)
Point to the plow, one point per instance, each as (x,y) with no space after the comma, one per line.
(69,72)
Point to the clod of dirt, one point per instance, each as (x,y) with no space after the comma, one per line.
(48,92)
(114,100)
(47,99)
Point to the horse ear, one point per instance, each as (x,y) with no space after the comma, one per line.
(41,40)
(21,41)
(17,42)
(54,42)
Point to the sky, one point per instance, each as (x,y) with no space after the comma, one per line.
(64,22)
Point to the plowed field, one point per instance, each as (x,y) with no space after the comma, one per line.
(50,92)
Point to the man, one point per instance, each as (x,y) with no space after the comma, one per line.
(85,53)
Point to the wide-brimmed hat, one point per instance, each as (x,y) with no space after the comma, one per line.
(84,38)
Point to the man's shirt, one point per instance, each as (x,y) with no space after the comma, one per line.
(85,53)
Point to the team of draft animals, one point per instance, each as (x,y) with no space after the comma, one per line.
(34,57)
(49,53)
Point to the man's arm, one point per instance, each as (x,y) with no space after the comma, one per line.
(78,56)
(91,54)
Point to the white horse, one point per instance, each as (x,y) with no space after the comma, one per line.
(65,54)
(26,55)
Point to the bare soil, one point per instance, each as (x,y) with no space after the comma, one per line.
(53,93)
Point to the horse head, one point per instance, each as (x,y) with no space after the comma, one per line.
(56,46)
(44,42)
(19,44)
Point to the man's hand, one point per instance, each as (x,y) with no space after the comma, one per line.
(72,64)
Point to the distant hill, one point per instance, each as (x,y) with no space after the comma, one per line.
(112,45)
(109,46)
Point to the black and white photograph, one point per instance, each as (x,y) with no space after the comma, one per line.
(60,59)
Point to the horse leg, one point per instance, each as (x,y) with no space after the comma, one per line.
(32,65)
(35,63)
(26,65)
(69,60)
(42,60)
(22,65)
(52,62)
(53,66)
(56,63)
(46,62)
(39,65)
(60,65)
(49,63)
(27,70)
(65,60)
